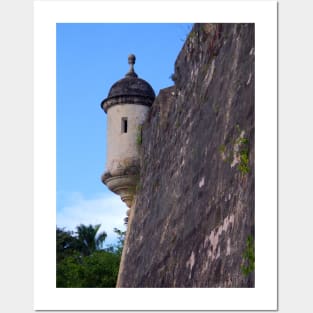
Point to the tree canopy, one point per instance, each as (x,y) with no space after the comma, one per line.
(82,262)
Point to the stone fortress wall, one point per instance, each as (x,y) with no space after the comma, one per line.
(192,221)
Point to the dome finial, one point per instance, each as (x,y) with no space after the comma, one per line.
(131,62)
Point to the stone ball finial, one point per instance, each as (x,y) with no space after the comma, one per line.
(131,62)
(131,59)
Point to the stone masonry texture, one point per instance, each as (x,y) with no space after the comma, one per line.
(194,218)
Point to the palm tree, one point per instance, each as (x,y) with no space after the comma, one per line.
(88,239)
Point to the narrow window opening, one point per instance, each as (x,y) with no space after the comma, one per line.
(124,125)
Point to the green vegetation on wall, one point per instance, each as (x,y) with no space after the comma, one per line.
(139,135)
(243,165)
(248,257)
(237,152)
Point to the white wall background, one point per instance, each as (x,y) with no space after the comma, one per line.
(295,156)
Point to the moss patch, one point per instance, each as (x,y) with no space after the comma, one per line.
(248,257)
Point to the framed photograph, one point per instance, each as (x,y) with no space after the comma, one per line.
(155,155)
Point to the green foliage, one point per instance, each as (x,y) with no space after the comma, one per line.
(97,270)
(239,153)
(70,272)
(88,239)
(101,269)
(243,166)
(243,141)
(222,148)
(248,257)
(118,248)
(121,239)
(139,135)
(67,243)
(244,162)
(81,261)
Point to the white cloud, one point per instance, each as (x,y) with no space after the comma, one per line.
(104,209)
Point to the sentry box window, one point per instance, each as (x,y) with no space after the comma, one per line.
(124,125)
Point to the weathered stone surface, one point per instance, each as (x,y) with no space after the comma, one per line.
(194,208)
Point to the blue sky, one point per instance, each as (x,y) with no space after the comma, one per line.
(90,58)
